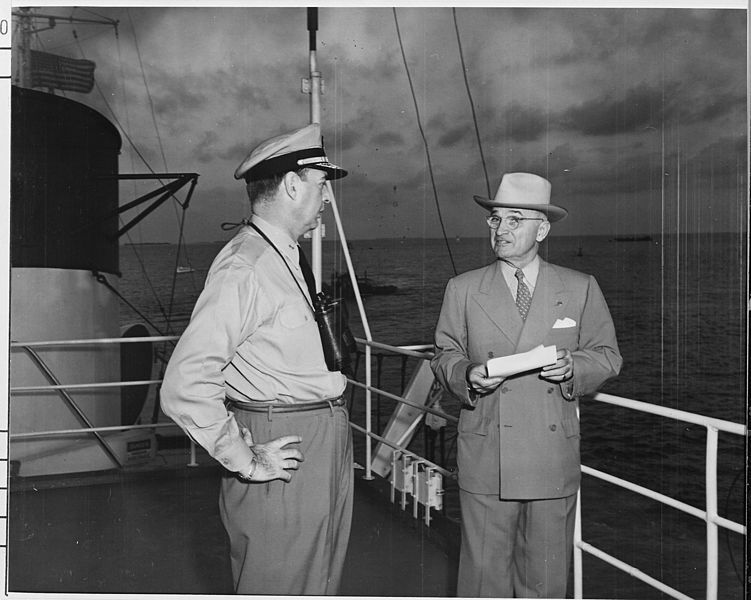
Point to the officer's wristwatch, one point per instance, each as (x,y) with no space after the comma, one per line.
(251,472)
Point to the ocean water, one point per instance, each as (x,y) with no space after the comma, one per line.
(679,306)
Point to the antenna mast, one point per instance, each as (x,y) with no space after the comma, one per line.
(25,76)
(313,86)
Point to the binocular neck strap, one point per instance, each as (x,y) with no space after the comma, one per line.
(286,264)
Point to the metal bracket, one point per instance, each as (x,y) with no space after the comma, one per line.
(305,86)
(414,477)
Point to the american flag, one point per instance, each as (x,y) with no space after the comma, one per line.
(69,74)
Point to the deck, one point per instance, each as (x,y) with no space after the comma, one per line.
(158,531)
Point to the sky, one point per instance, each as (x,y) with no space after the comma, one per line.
(638,116)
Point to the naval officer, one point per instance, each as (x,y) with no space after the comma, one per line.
(248,382)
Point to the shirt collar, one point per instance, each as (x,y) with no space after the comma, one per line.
(279,237)
(530,271)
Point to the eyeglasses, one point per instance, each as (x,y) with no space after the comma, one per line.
(494,221)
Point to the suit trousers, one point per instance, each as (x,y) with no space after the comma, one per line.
(515,549)
(291,538)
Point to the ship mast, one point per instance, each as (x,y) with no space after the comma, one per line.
(25,50)
(313,86)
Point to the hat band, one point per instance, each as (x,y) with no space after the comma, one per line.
(288,162)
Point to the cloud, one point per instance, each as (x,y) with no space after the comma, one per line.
(561,159)
(596,99)
(205,148)
(524,123)
(723,160)
(447,131)
(708,107)
(387,138)
(234,152)
(641,107)
(454,136)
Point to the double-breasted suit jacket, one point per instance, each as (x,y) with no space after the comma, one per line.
(522,440)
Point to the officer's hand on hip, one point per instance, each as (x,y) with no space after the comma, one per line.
(272,460)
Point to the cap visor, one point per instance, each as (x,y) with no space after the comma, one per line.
(332,170)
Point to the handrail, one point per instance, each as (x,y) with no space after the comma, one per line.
(710,515)
(402,449)
(403,400)
(71,403)
(121,340)
(713,426)
(419,351)
(672,413)
(81,386)
(57,432)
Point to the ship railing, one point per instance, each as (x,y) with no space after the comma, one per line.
(710,514)
(411,474)
(414,464)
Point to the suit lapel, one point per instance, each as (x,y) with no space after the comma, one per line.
(549,302)
(495,299)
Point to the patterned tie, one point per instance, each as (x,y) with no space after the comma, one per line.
(523,297)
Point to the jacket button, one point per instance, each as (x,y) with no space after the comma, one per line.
(504,389)
(550,390)
(553,427)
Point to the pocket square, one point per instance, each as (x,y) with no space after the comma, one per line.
(563,323)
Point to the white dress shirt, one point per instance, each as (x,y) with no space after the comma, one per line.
(530,272)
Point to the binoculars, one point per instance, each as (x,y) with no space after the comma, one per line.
(336,337)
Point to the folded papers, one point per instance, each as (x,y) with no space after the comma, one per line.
(504,366)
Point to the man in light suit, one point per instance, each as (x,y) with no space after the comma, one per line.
(518,437)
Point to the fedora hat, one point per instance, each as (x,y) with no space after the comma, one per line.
(525,191)
(299,149)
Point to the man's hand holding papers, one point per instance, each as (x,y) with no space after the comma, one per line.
(505,366)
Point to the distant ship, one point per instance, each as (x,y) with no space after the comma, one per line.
(633,238)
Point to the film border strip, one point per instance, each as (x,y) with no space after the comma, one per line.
(5,83)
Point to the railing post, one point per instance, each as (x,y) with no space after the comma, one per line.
(578,553)
(368,416)
(711,495)
(192,462)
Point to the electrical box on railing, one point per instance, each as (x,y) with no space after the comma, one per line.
(426,485)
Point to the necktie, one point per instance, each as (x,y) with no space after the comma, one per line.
(307,273)
(523,297)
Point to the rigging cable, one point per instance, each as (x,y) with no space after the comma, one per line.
(148,91)
(181,245)
(83,55)
(103,280)
(471,104)
(88,10)
(425,142)
(135,148)
(124,131)
(132,168)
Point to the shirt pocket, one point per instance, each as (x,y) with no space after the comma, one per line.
(295,315)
